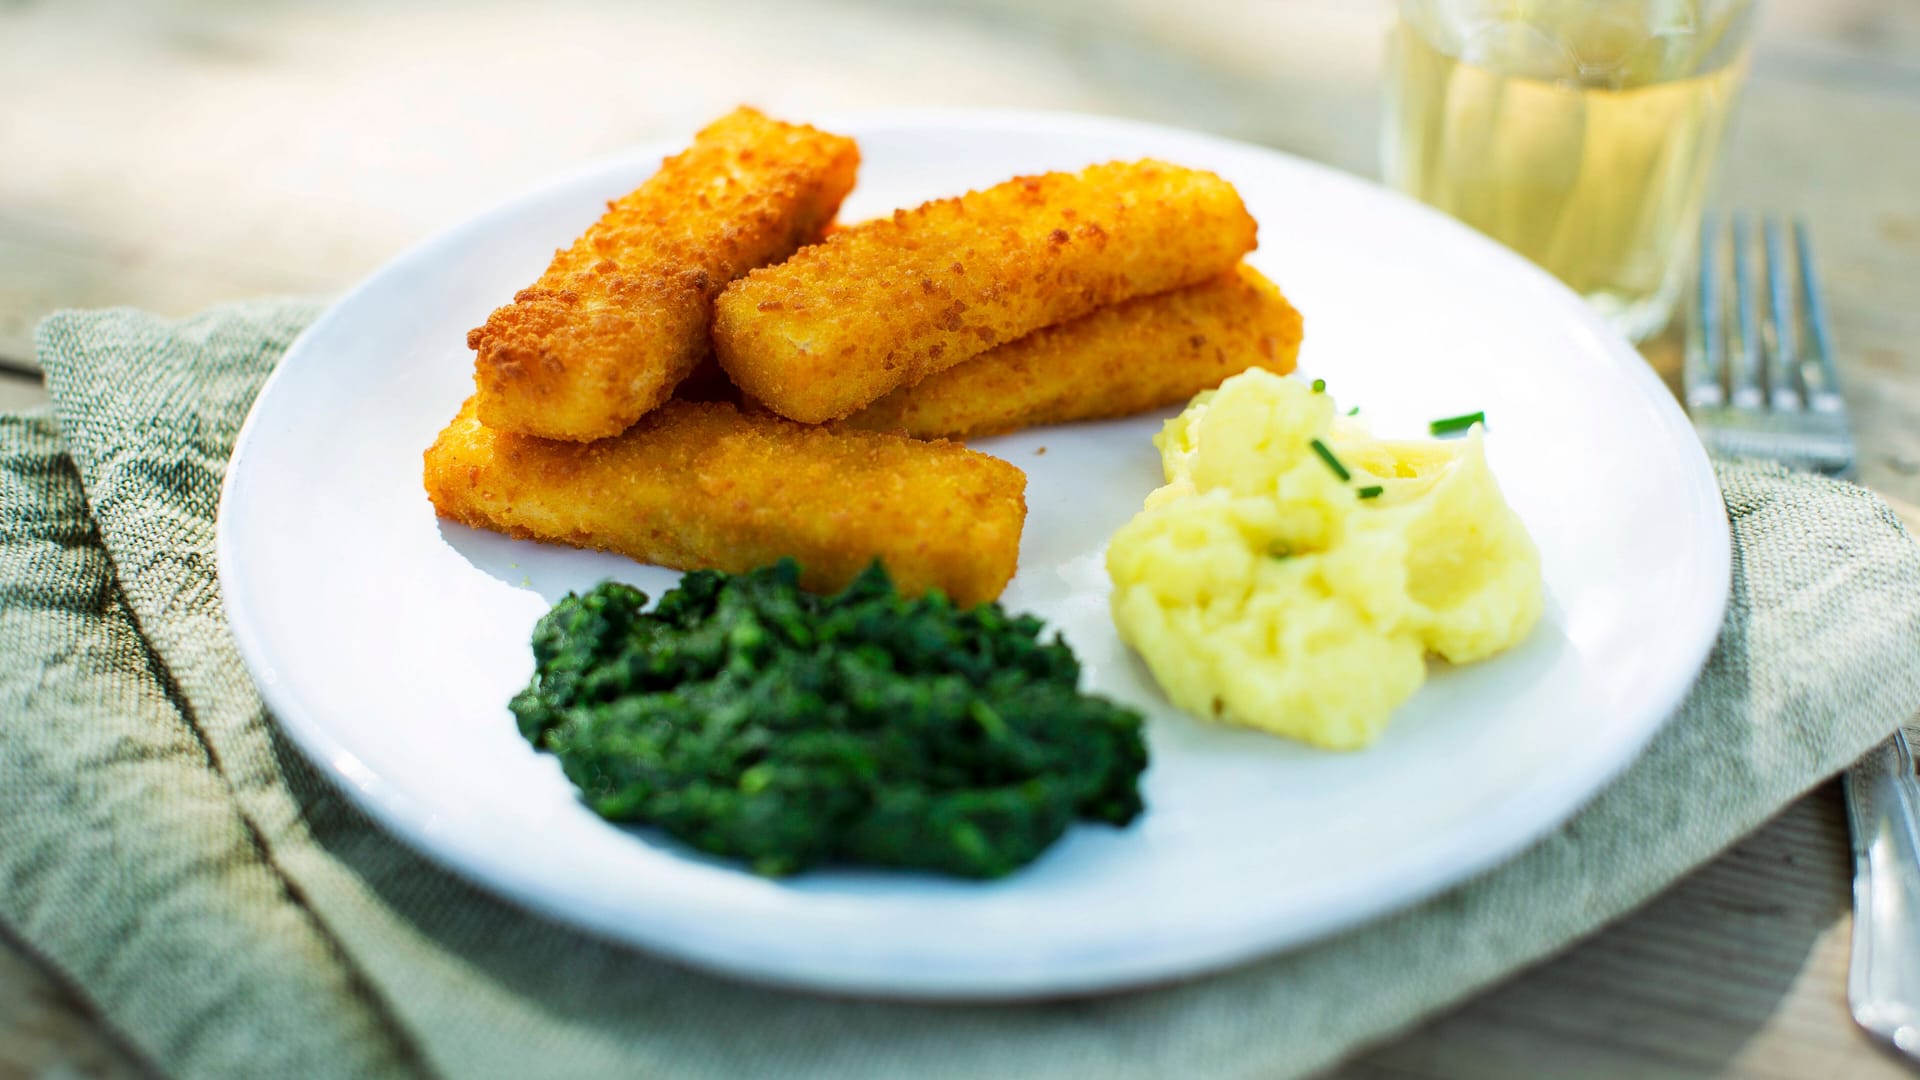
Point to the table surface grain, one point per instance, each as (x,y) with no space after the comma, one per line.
(171,156)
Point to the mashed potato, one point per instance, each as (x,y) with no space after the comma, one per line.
(1263,590)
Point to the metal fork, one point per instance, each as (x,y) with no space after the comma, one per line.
(1767,388)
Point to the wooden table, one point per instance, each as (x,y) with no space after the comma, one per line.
(173,156)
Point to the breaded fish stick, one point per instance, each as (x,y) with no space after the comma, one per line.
(886,303)
(1124,359)
(622,316)
(699,485)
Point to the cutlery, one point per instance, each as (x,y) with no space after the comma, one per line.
(1763,385)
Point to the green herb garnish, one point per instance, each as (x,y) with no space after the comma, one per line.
(1319,386)
(1355,411)
(756,721)
(1371,491)
(1333,463)
(1453,424)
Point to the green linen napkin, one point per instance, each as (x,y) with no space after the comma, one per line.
(229,913)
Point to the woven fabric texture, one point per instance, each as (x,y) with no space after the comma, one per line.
(229,913)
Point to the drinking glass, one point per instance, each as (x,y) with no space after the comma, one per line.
(1580,133)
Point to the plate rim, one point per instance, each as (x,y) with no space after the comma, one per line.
(1525,816)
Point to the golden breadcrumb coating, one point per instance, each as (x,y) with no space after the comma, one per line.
(1124,359)
(621,317)
(885,303)
(697,485)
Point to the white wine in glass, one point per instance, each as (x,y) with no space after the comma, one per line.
(1580,134)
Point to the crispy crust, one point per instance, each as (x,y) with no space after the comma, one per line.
(1124,359)
(885,303)
(621,317)
(698,485)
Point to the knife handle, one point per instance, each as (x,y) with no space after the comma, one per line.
(1883,978)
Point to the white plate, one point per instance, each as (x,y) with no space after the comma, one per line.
(388,643)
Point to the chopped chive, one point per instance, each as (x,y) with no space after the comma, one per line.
(1333,463)
(1355,411)
(1457,423)
(1319,386)
(1371,491)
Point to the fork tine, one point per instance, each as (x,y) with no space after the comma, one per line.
(1783,350)
(1743,381)
(1816,369)
(1705,365)
(1736,421)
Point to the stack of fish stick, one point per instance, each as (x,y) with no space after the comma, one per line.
(715,375)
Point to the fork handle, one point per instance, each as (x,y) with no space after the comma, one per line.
(1883,980)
